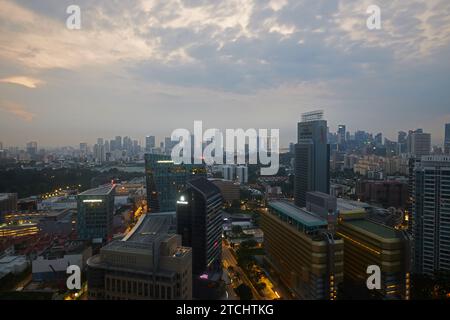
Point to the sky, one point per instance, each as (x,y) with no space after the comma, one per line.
(148,67)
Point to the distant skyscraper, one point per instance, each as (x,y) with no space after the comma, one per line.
(118,143)
(402,142)
(199,222)
(83,147)
(341,134)
(242,174)
(447,139)
(419,143)
(165,180)
(312,158)
(95,213)
(431,214)
(99,151)
(228,172)
(150,143)
(379,139)
(168,145)
(32,148)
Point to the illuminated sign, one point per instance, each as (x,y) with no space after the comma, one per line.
(182,200)
(92,200)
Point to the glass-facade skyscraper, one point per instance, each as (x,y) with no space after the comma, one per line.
(165,180)
(95,213)
(312,158)
(447,138)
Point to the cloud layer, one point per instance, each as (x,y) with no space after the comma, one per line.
(261,62)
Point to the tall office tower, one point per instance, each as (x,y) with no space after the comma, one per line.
(312,157)
(402,142)
(369,243)
(95,212)
(165,180)
(32,148)
(242,174)
(228,172)
(118,143)
(301,251)
(431,214)
(341,134)
(150,263)
(420,144)
(447,139)
(199,222)
(150,143)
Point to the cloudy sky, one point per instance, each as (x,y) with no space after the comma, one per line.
(144,67)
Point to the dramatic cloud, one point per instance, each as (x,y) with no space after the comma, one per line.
(252,62)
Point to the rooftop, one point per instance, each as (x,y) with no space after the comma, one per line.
(344,205)
(100,191)
(204,186)
(151,226)
(301,215)
(375,228)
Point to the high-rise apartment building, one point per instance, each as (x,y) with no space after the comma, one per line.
(447,139)
(301,251)
(431,214)
(95,212)
(165,180)
(150,263)
(199,222)
(312,158)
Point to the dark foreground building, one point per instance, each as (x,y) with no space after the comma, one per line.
(199,222)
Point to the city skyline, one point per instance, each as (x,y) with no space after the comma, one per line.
(149,67)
